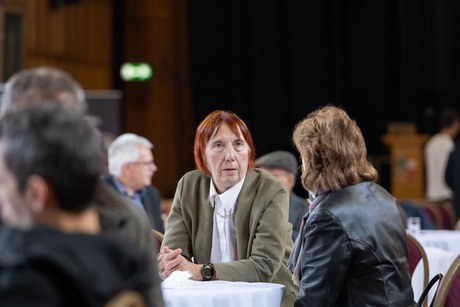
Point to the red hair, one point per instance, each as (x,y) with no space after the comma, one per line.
(209,126)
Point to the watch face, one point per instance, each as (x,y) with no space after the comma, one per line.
(207,272)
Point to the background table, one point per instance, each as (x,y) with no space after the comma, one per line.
(448,240)
(441,247)
(225,294)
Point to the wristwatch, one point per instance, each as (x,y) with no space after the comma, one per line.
(207,271)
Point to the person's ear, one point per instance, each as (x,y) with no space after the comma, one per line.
(291,180)
(37,193)
(126,168)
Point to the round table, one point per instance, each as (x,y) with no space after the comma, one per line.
(225,294)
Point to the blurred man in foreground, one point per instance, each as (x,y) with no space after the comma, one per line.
(38,85)
(51,253)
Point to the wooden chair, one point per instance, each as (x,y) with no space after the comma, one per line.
(449,291)
(434,214)
(446,209)
(457,225)
(417,254)
(435,280)
(159,237)
(126,298)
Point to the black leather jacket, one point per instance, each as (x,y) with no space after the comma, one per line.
(355,251)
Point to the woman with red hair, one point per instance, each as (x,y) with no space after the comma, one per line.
(229,217)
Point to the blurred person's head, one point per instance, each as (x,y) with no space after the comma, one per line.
(281,164)
(224,149)
(332,149)
(34,86)
(449,121)
(131,161)
(49,164)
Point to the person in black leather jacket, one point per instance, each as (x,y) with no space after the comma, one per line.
(352,249)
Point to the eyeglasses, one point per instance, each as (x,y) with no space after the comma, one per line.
(145,163)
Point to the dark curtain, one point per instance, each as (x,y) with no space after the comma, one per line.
(273,62)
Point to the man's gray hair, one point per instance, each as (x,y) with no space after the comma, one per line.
(125,149)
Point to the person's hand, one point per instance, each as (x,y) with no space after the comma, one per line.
(171,260)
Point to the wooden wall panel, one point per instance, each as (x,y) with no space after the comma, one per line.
(76,38)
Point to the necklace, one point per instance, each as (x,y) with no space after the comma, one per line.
(224,216)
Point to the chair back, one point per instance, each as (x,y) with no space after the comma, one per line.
(433,212)
(446,209)
(449,290)
(159,237)
(126,298)
(417,254)
(435,280)
(457,225)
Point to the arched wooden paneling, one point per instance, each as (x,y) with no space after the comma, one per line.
(76,38)
(79,39)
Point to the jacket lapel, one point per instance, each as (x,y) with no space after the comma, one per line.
(243,214)
(204,222)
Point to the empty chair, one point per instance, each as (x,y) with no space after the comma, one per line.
(435,280)
(417,254)
(447,213)
(433,213)
(457,225)
(159,237)
(449,291)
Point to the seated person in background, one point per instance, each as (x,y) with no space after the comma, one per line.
(230,218)
(51,252)
(437,151)
(283,165)
(352,248)
(131,168)
(35,86)
(412,210)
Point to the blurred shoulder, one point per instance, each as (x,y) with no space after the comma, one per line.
(194,177)
(263,177)
(264,181)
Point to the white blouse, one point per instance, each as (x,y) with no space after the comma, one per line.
(224,246)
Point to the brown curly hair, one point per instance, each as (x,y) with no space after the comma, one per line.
(333,151)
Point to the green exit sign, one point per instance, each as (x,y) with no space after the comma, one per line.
(136,71)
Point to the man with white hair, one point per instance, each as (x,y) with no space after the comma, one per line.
(131,168)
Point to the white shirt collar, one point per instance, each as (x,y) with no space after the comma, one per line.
(228,198)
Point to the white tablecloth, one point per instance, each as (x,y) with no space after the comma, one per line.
(448,240)
(225,294)
(438,262)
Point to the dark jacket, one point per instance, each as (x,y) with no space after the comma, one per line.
(151,200)
(118,215)
(355,251)
(46,267)
(452,176)
(298,207)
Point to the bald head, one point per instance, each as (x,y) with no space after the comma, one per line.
(31,87)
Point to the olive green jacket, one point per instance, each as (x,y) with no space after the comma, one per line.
(262,229)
